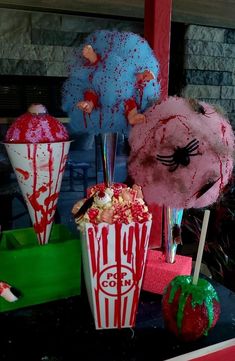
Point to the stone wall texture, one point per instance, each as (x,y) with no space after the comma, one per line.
(209,66)
(34,43)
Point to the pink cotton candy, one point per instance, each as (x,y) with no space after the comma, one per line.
(174,123)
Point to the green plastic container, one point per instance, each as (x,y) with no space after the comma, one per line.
(42,273)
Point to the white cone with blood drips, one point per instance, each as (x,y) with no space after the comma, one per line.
(39,169)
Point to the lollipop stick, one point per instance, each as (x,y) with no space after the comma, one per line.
(201,246)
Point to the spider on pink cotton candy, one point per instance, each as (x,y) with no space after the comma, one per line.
(183,156)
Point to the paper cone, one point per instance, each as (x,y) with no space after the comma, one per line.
(113,261)
(172,223)
(39,170)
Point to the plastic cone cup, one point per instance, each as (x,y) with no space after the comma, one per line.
(39,170)
(108,152)
(113,262)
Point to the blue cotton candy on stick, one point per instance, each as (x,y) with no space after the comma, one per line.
(113,79)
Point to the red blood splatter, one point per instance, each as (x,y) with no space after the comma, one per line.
(105,232)
(91,238)
(163,135)
(223,129)
(130,243)
(97,290)
(117,315)
(24,173)
(51,198)
(166,120)
(44,211)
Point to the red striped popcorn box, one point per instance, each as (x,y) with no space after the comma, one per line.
(114,260)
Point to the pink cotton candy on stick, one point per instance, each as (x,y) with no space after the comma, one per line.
(178,122)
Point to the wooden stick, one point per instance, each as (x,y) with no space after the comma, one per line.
(201,246)
(157,31)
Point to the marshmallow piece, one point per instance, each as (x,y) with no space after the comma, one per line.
(102,198)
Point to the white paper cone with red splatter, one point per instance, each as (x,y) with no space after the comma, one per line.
(114,260)
(39,170)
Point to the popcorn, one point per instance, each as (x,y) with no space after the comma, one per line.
(115,204)
(102,198)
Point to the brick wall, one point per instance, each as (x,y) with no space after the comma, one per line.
(209,66)
(34,43)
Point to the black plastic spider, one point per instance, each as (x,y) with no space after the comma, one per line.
(181,156)
(198,108)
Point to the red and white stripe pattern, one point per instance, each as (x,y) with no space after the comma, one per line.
(114,259)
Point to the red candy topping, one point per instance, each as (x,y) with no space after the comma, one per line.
(36,126)
(116,204)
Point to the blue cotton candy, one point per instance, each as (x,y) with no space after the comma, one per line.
(113,79)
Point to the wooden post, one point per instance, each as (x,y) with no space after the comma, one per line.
(157,30)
